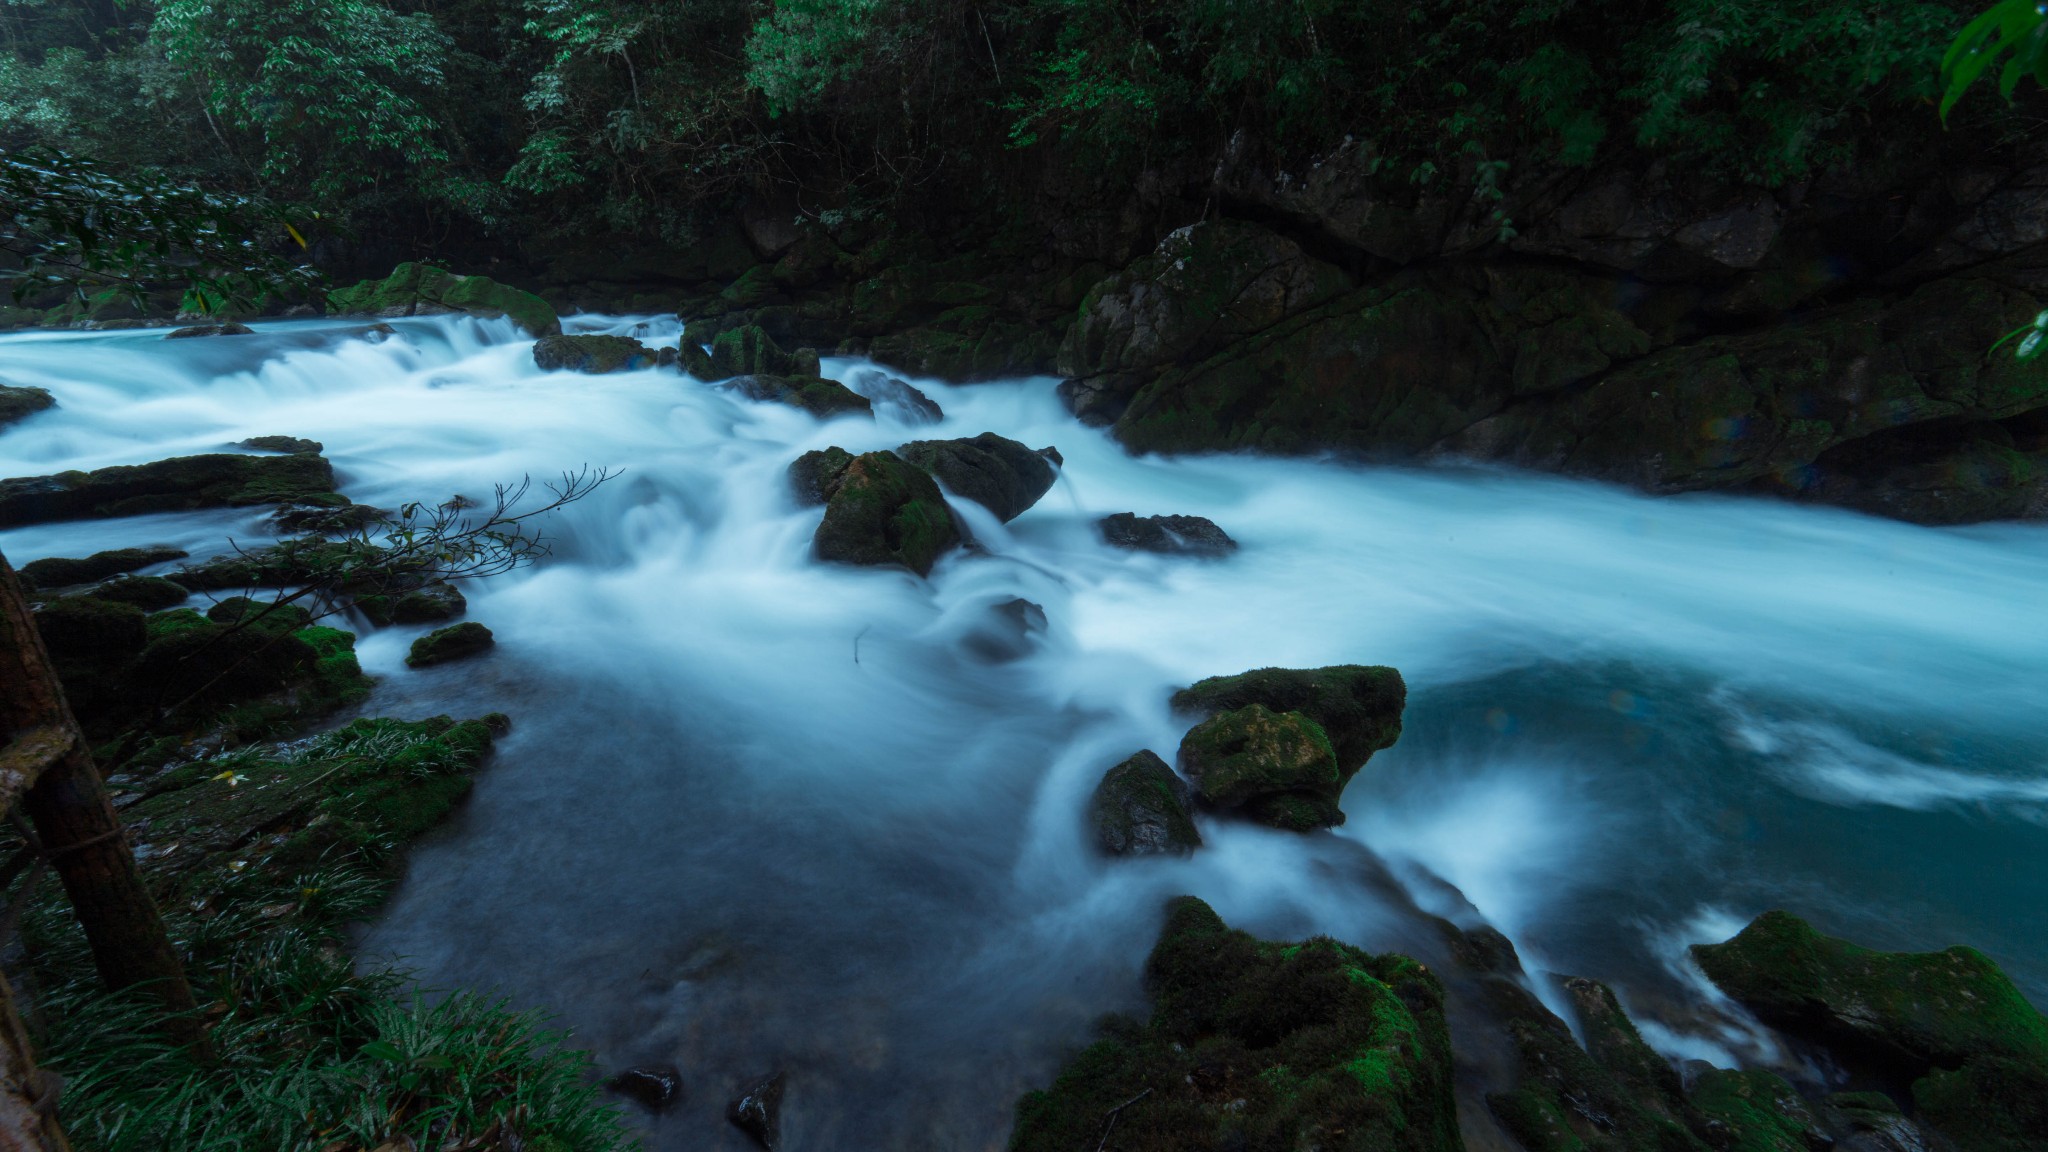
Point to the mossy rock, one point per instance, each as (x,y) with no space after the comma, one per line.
(274,616)
(19,402)
(179,484)
(455,642)
(86,628)
(431,604)
(593,355)
(994,471)
(1359,706)
(882,511)
(289,445)
(813,475)
(1140,808)
(745,351)
(59,572)
(1908,1011)
(1990,1104)
(1760,1111)
(149,593)
(1248,754)
(415,289)
(816,395)
(1260,1047)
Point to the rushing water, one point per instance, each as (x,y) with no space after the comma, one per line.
(758,812)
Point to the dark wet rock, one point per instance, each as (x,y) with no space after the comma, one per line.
(291,445)
(326,519)
(19,402)
(667,357)
(1182,535)
(1907,1010)
(175,485)
(744,351)
(149,593)
(1991,1103)
(1141,809)
(814,394)
(757,1110)
(1252,1045)
(1276,768)
(423,290)
(880,510)
(59,572)
(255,678)
(86,627)
(1358,706)
(592,354)
(655,1087)
(1011,630)
(813,475)
(1756,1111)
(293,562)
(270,615)
(895,397)
(230,328)
(996,472)
(430,604)
(455,642)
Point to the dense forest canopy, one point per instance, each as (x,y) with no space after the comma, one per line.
(425,118)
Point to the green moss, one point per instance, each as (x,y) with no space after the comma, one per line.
(1990,1104)
(591,354)
(820,397)
(1759,1108)
(1359,706)
(1141,808)
(1260,1046)
(1238,756)
(414,288)
(455,642)
(149,593)
(179,484)
(18,402)
(883,511)
(58,571)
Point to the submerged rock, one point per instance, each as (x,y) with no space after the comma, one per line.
(175,485)
(19,402)
(290,445)
(230,328)
(895,397)
(996,472)
(1276,767)
(656,1087)
(757,1110)
(1185,535)
(455,642)
(814,394)
(1009,632)
(415,289)
(1141,809)
(58,571)
(880,510)
(592,354)
(1256,1045)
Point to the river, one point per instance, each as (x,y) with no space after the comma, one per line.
(760,813)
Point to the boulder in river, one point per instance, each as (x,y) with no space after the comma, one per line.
(19,402)
(455,642)
(290,445)
(1275,767)
(996,472)
(86,627)
(59,571)
(895,397)
(179,484)
(814,394)
(1141,809)
(429,604)
(757,1110)
(745,351)
(655,1087)
(1183,535)
(149,593)
(415,289)
(1358,706)
(226,328)
(878,510)
(1256,1044)
(594,355)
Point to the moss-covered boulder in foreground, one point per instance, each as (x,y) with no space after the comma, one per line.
(594,355)
(1276,767)
(19,402)
(994,471)
(1259,1047)
(744,351)
(179,484)
(1141,809)
(415,289)
(1358,705)
(455,642)
(880,510)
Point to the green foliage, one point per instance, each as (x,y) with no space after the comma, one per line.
(2019,27)
(336,90)
(70,223)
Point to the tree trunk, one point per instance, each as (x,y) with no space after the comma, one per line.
(28,1095)
(75,823)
